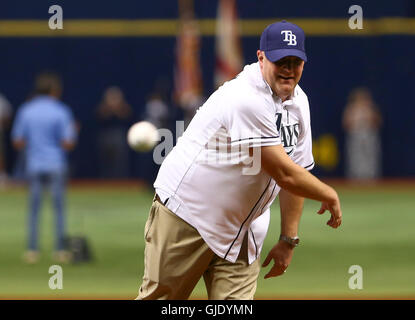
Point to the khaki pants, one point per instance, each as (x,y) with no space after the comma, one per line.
(176,256)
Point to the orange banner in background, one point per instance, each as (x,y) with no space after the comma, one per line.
(229,59)
(188,74)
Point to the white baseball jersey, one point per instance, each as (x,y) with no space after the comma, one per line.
(210,179)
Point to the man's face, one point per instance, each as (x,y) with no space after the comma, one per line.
(283,75)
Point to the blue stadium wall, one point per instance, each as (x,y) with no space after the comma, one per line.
(385,63)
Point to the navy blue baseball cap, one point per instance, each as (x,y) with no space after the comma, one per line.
(282,39)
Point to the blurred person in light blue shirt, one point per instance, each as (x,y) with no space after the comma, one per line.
(45,128)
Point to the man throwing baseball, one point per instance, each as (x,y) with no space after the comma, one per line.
(249,142)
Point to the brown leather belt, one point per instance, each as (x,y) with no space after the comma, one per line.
(157,198)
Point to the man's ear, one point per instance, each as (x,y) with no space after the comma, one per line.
(259,54)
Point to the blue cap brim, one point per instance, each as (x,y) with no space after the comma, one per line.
(275,55)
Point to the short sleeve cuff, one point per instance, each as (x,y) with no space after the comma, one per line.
(310,166)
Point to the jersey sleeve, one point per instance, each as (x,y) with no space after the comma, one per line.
(67,127)
(303,154)
(19,126)
(251,121)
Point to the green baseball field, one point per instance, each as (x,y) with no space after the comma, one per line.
(377,235)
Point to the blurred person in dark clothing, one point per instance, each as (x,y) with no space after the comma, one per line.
(157,110)
(5,117)
(45,128)
(114,117)
(362,122)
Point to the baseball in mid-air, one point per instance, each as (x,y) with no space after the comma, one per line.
(142,136)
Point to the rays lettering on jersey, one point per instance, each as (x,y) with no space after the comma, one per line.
(289,133)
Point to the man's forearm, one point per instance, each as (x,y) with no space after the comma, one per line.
(68,145)
(291,207)
(294,178)
(304,184)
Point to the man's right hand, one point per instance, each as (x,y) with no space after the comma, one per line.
(336,213)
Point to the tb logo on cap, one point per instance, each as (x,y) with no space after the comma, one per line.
(290,37)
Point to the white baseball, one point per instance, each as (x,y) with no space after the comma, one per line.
(142,136)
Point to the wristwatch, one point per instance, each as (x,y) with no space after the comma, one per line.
(292,241)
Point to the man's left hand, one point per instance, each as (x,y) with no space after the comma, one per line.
(282,254)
